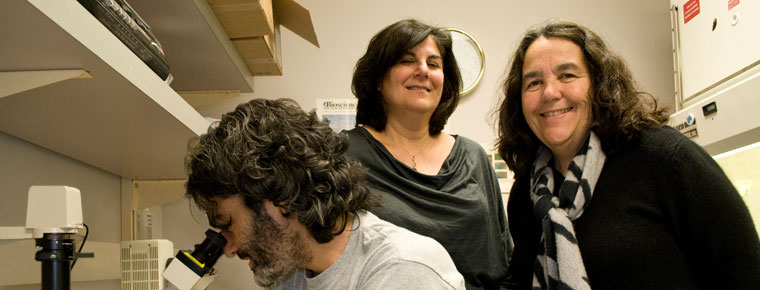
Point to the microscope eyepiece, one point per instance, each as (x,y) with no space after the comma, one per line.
(210,249)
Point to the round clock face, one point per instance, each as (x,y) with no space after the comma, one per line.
(470,59)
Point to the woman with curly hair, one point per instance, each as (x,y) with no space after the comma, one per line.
(606,196)
(274,179)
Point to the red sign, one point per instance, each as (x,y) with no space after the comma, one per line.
(732,4)
(690,9)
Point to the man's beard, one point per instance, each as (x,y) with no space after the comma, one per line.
(275,252)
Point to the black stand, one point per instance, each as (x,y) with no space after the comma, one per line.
(56,254)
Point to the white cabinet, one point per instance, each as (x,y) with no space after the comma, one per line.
(713,41)
(124,120)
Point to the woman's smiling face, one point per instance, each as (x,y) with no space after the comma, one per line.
(555,94)
(415,82)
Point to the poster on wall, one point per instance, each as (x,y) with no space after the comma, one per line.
(340,112)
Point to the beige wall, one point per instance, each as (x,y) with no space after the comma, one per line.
(25,164)
(638,30)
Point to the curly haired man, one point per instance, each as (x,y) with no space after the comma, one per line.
(274,180)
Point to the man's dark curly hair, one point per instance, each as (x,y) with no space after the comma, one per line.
(272,150)
(384,50)
(620,113)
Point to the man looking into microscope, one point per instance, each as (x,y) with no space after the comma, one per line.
(273,178)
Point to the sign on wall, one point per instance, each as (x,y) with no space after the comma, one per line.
(340,112)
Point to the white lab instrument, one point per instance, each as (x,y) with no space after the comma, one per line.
(143,263)
(148,265)
(53,209)
(53,214)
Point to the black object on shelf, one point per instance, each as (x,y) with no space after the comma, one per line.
(125,24)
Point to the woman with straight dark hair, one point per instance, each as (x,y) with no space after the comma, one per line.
(430,182)
(606,196)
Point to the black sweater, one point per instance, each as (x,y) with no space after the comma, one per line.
(663,216)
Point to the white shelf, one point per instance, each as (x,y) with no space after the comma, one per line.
(201,56)
(124,119)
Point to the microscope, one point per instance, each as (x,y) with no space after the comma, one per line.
(194,270)
(149,264)
(53,215)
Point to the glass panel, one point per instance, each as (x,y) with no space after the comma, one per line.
(743,169)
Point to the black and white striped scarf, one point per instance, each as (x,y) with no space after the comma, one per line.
(559,264)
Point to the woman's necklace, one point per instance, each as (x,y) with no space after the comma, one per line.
(414,162)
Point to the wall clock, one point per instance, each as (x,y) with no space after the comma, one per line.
(470,59)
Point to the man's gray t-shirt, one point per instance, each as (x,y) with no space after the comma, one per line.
(380,255)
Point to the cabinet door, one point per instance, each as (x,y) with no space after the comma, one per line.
(714,40)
